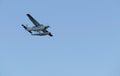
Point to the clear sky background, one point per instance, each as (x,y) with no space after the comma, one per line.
(86,39)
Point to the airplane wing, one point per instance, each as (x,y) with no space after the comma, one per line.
(33,20)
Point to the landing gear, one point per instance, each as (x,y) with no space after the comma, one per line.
(50,34)
(30,32)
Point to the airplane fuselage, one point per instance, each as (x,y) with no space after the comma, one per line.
(39,28)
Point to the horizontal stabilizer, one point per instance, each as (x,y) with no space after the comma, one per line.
(26,28)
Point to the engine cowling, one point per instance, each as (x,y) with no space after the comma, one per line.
(47,27)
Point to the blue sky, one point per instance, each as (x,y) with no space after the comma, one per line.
(85,43)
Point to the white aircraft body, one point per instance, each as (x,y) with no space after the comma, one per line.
(39,28)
